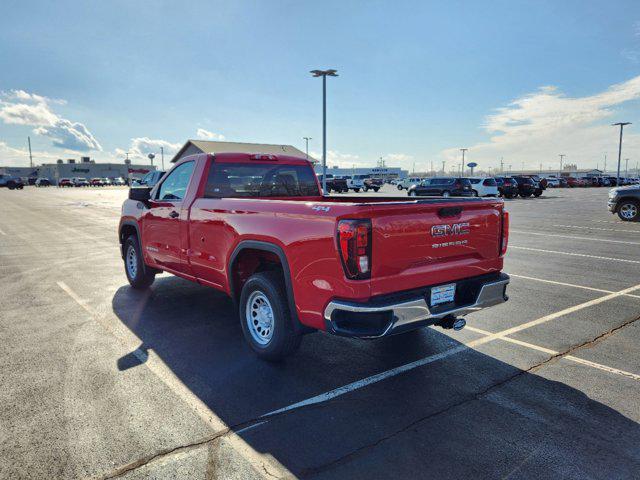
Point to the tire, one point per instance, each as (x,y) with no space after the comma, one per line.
(446,194)
(399,187)
(140,277)
(357,190)
(265,317)
(475,193)
(508,195)
(537,194)
(11,185)
(365,189)
(412,193)
(525,195)
(376,190)
(629,211)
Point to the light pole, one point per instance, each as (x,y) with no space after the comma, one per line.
(626,168)
(463,150)
(605,163)
(306,139)
(562,155)
(443,167)
(501,164)
(622,124)
(324,74)
(162,154)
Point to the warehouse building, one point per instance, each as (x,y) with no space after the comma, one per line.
(207,146)
(85,168)
(379,172)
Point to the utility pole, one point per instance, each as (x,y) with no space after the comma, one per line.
(30,156)
(540,168)
(324,74)
(605,163)
(626,167)
(562,155)
(431,170)
(306,139)
(622,124)
(463,150)
(443,167)
(162,154)
(501,164)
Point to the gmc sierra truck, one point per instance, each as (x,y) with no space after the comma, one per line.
(258,228)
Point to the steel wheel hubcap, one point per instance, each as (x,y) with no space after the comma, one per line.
(132,262)
(259,317)
(628,210)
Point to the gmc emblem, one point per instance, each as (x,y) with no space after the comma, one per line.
(453,229)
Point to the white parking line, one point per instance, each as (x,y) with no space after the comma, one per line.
(165,374)
(574,254)
(588,363)
(323,397)
(573,237)
(553,282)
(597,228)
(2,233)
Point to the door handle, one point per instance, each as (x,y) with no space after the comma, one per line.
(174,214)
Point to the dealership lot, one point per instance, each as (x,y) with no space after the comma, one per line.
(100,380)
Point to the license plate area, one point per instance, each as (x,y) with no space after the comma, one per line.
(442,294)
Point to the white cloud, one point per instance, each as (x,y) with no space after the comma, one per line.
(207,135)
(537,127)
(142,146)
(18,107)
(339,159)
(20,156)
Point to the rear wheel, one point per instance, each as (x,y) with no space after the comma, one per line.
(412,193)
(365,188)
(446,194)
(356,190)
(139,276)
(265,317)
(376,190)
(629,211)
(399,187)
(475,193)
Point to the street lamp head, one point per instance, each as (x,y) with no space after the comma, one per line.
(324,73)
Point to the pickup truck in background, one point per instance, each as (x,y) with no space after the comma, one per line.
(257,228)
(12,183)
(335,184)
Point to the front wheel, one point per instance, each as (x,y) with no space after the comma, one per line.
(357,190)
(366,189)
(376,190)
(265,317)
(629,211)
(413,193)
(475,193)
(139,276)
(399,187)
(446,194)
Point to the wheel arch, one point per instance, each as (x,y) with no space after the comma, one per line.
(272,248)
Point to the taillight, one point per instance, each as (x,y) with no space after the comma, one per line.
(354,244)
(504,236)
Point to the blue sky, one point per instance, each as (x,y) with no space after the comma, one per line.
(418,80)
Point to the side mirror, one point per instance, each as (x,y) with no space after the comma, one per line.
(140,194)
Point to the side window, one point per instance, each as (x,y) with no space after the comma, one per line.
(175,184)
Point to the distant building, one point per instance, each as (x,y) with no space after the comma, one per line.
(577,173)
(382,172)
(207,146)
(86,168)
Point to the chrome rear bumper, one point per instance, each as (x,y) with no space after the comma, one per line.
(388,318)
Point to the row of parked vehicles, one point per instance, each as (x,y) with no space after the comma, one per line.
(93,182)
(507,187)
(342,184)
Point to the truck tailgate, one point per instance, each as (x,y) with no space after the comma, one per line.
(430,243)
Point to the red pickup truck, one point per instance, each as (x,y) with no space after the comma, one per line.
(258,228)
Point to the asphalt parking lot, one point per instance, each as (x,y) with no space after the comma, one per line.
(99,380)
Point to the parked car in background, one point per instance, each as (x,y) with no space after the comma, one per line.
(80,182)
(43,182)
(507,187)
(372,251)
(12,183)
(106,182)
(356,182)
(526,186)
(442,187)
(408,182)
(150,179)
(118,181)
(625,201)
(553,182)
(572,182)
(484,187)
(334,184)
(96,182)
(372,184)
(65,182)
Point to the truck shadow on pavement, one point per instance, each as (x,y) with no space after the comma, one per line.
(465,415)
